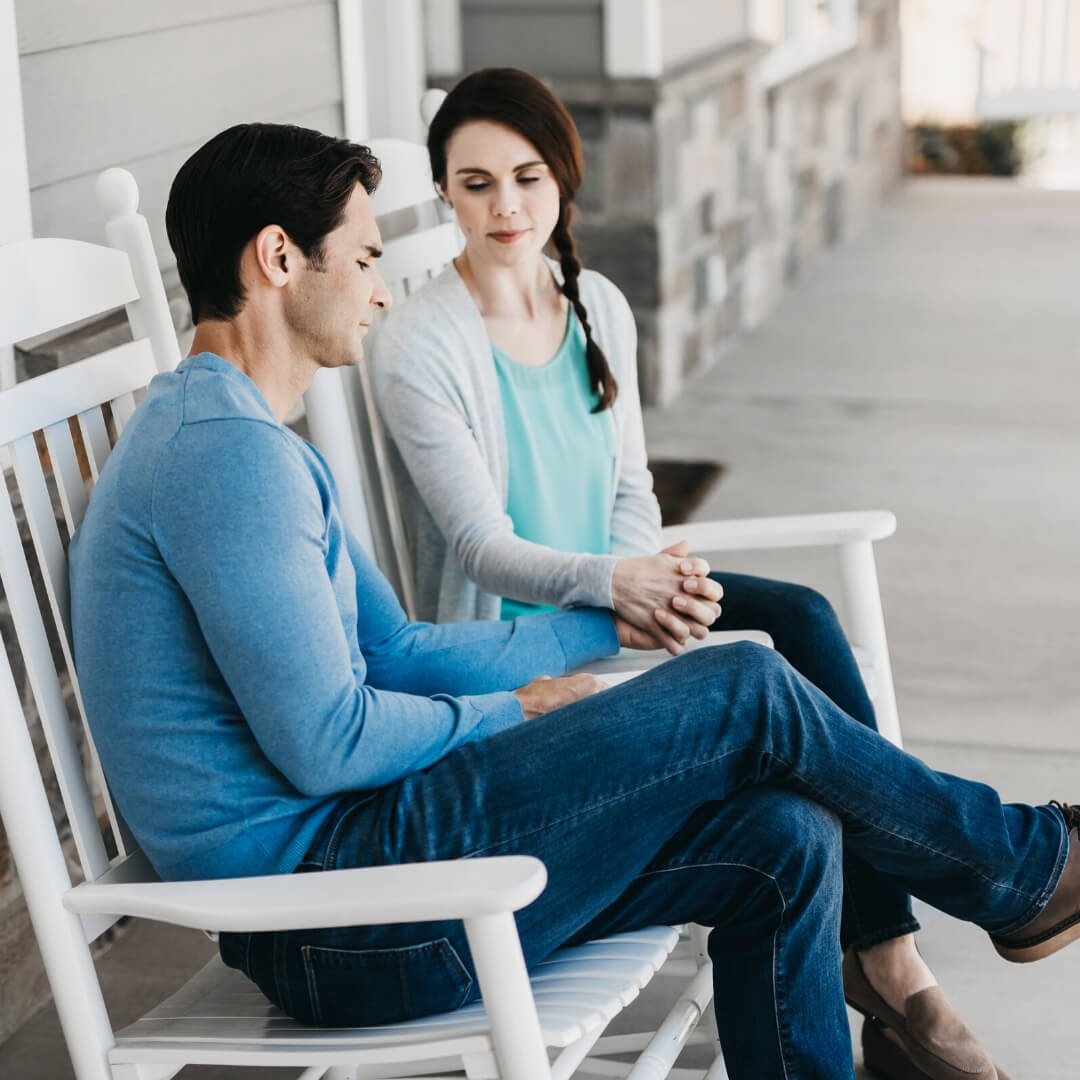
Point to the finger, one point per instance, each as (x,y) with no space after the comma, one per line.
(663,635)
(678,549)
(704,587)
(703,614)
(694,565)
(677,627)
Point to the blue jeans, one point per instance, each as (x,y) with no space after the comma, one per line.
(807,633)
(713,789)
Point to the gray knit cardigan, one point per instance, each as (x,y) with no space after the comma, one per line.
(437,393)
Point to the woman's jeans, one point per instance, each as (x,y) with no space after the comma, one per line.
(717,788)
(807,633)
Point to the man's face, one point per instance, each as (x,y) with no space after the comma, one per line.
(330,305)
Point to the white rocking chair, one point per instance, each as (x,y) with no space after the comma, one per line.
(525,1028)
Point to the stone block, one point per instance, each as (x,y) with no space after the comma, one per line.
(628,254)
(632,179)
(23,986)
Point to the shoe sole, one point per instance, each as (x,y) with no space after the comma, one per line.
(883,1057)
(1026,954)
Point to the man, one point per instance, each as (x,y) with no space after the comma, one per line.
(261,704)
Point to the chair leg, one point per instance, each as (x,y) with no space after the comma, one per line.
(508,1001)
(863,600)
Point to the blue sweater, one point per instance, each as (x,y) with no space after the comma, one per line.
(242,661)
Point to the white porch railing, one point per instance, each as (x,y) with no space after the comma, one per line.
(1029,59)
(804,33)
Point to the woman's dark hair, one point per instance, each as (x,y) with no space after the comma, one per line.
(248,177)
(521,102)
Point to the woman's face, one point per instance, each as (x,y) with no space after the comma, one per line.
(504,195)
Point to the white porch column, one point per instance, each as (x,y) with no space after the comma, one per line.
(354,94)
(442,36)
(15,220)
(632,39)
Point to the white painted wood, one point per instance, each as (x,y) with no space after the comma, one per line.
(417,255)
(354,92)
(867,629)
(633,39)
(148,314)
(416,892)
(87,107)
(442,37)
(95,440)
(43,875)
(15,220)
(407,175)
(795,530)
(122,408)
(66,473)
(47,284)
(802,49)
(56,24)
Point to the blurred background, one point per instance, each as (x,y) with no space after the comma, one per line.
(849,230)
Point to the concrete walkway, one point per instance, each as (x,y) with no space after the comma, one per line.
(930,367)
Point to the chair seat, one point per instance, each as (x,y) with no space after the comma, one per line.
(221,1016)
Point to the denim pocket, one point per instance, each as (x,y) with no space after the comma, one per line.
(369,987)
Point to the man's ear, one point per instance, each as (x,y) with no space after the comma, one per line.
(275,255)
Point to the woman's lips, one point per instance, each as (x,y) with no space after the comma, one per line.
(507,237)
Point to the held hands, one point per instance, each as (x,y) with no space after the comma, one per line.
(545,694)
(661,600)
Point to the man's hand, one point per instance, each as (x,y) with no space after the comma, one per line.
(667,597)
(545,694)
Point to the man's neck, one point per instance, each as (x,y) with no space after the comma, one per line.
(263,357)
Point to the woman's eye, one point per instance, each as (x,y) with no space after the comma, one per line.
(475,187)
(528,179)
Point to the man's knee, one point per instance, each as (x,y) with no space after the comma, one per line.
(807,606)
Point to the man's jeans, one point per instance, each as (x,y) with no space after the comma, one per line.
(807,633)
(715,789)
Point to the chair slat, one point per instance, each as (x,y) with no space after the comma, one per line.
(407,162)
(66,472)
(421,251)
(49,283)
(122,408)
(53,397)
(95,439)
(37,656)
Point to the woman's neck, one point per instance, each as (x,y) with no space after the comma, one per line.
(525,292)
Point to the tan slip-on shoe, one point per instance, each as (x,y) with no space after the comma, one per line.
(937,1042)
(883,1057)
(1058,924)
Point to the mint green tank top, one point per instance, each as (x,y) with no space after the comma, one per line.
(561,455)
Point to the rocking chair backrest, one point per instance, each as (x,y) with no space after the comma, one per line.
(57,431)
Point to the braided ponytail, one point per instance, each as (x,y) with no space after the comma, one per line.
(601,377)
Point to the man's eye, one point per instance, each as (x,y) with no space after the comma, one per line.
(363,265)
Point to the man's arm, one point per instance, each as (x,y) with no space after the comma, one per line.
(468,657)
(242,525)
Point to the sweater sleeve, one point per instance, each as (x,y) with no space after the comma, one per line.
(635,516)
(425,418)
(242,526)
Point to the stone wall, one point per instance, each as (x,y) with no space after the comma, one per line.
(706,195)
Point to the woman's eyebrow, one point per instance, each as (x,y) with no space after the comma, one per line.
(484,172)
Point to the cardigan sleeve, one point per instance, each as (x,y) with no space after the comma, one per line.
(424,414)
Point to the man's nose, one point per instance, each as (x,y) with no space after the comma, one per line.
(380,294)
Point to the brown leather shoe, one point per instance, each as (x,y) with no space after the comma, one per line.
(1058,924)
(883,1057)
(936,1041)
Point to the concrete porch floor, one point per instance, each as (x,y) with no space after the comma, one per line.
(930,367)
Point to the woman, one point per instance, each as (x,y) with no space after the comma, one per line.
(508,387)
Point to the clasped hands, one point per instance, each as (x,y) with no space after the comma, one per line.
(662,600)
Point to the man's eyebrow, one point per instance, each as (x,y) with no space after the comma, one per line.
(484,172)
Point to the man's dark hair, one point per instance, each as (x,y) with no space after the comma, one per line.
(248,177)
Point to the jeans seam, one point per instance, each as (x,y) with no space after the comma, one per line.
(1044,896)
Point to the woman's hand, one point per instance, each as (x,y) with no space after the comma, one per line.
(649,596)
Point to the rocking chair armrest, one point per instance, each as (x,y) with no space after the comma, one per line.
(793,530)
(414,892)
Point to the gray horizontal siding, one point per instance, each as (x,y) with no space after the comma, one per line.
(69,207)
(55,24)
(557,37)
(94,105)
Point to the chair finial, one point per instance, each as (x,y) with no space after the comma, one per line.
(429,105)
(118,193)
